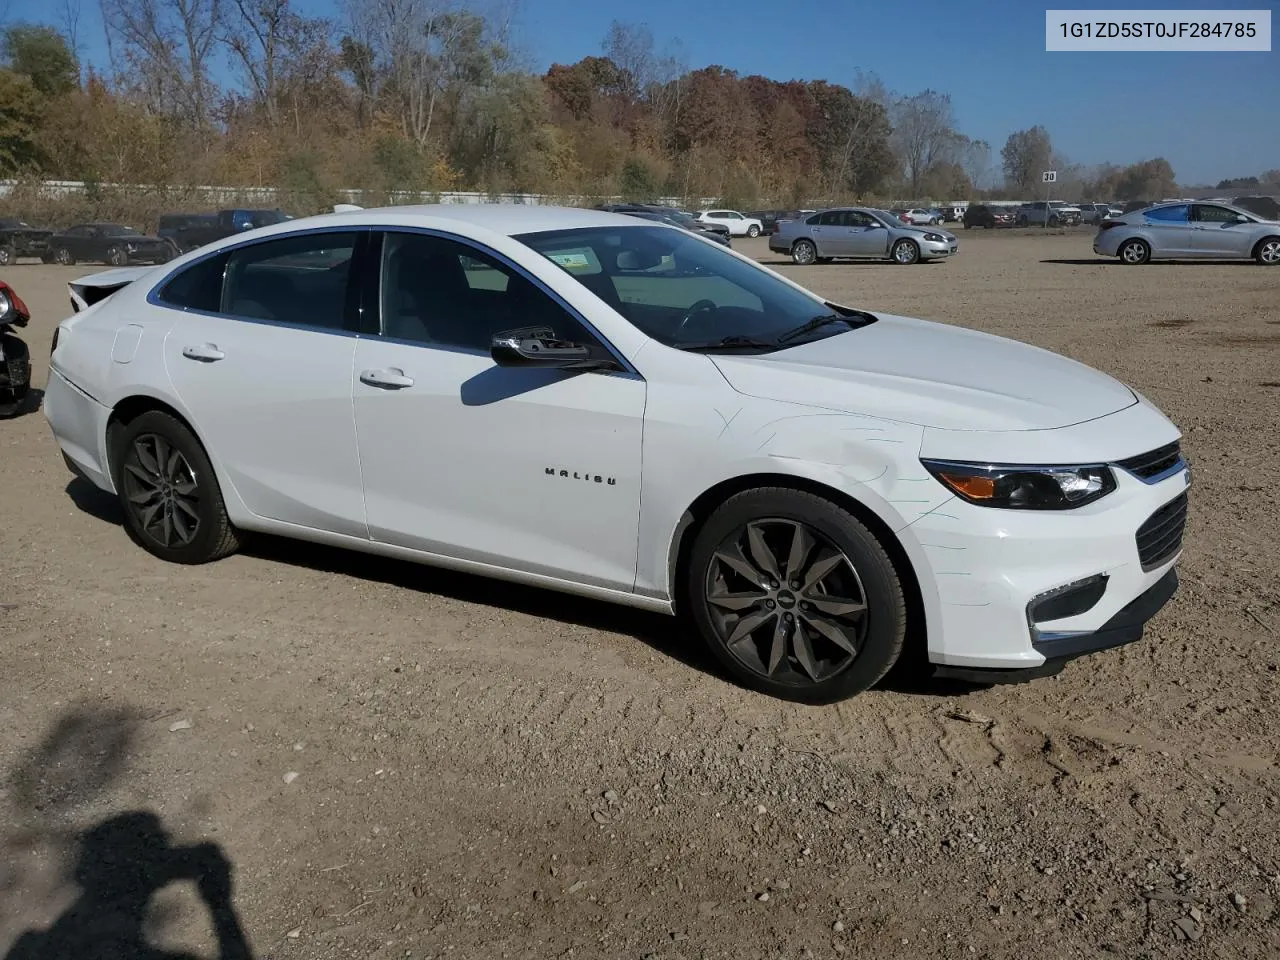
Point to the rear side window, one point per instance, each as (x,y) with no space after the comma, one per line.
(296,280)
(198,287)
(1175,214)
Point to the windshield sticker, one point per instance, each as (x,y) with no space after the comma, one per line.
(572,259)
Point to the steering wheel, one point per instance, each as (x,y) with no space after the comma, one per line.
(701,306)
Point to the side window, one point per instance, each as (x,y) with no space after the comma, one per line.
(299,279)
(829,218)
(1212,214)
(734,216)
(1176,214)
(856,218)
(198,287)
(815,220)
(444,293)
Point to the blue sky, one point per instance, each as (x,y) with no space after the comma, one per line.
(1212,115)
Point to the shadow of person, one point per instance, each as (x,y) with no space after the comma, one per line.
(122,863)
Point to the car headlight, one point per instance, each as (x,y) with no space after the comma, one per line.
(5,304)
(935,237)
(1015,487)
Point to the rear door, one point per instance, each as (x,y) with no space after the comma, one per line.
(1171,231)
(262,361)
(1218,232)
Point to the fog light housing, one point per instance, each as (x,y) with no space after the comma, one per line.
(1068,600)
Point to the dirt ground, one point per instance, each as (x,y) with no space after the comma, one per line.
(400,762)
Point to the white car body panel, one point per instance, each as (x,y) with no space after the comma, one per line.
(453,469)
(739,224)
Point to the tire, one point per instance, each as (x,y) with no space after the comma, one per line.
(859,598)
(905,252)
(7,256)
(62,256)
(753,231)
(1134,252)
(1054,222)
(159,463)
(804,252)
(117,257)
(1267,251)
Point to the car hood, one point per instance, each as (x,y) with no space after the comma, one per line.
(922,230)
(933,375)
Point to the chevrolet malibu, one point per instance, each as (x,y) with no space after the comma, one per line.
(622,410)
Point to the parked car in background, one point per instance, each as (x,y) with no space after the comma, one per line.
(172,225)
(954,213)
(769,218)
(982,215)
(1052,213)
(226,223)
(739,225)
(19,239)
(1264,207)
(879,477)
(1135,205)
(1093,212)
(860,233)
(692,226)
(682,218)
(1175,231)
(918,216)
(110,243)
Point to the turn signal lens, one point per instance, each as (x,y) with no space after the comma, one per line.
(972,488)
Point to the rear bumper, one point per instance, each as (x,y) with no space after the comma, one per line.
(1123,628)
(79,424)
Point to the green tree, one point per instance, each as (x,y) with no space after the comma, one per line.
(41,53)
(638,182)
(1025,155)
(21,109)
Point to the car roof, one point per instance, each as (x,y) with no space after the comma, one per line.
(510,219)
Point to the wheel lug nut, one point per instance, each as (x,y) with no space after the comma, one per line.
(769,604)
(789,618)
(773,584)
(795,584)
(804,605)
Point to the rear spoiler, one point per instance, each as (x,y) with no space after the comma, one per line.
(96,287)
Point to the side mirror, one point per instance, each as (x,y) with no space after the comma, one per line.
(539,347)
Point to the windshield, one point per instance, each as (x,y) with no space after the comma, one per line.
(890,216)
(680,289)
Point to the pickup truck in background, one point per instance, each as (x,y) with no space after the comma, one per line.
(208,228)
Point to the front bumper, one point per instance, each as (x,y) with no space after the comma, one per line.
(938,250)
(990,566)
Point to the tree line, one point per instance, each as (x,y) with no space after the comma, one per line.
(424,95)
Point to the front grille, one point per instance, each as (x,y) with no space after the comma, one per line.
(1161,536)
(1152,464)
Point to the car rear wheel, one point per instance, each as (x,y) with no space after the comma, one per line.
(1267,252)
(804,252)
(753,231)
(1134,252)
(795,597)
(63,257)
(905,252)
(172,504)
(7,255)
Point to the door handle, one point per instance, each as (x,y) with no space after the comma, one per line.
(390,379)
(205,353)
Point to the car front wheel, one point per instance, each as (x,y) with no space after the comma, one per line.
(795,597)
(172,504)
(1267,252)
(905,252)
(62,256)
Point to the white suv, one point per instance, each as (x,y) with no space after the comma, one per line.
(739,226)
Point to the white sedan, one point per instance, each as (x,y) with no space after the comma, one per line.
(739,224)
(591,403)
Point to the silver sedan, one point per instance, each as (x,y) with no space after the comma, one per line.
(1177,231)
(860,232)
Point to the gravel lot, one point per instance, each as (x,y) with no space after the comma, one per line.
(401,762)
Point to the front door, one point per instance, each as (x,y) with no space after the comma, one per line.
(1218,232)
(868,237)
(266,376)
(536,470)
